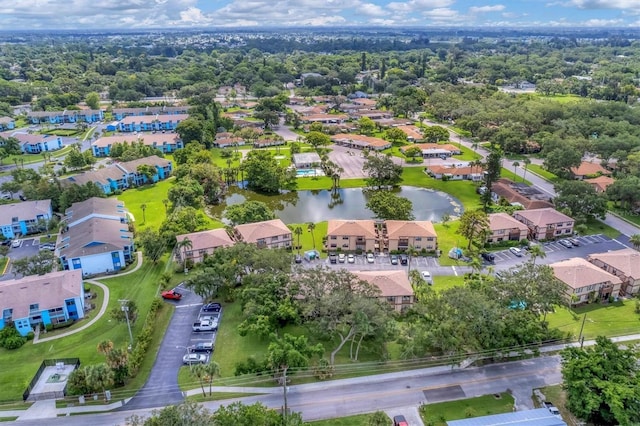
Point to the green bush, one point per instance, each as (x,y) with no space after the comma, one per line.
(10,338)
(30,335)
(48,327)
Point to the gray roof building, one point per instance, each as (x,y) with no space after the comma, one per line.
(537,417)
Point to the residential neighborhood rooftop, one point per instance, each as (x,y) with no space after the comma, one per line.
(543,217)
(207,239)
(19,294)
(410,228)
(93,236)
(365,228)
(626,261)
(505,221)
(15,212)
(390,283)
(253,232)
(578,272)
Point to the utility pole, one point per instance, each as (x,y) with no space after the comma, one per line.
(581,338)
(125,308)
(284,384)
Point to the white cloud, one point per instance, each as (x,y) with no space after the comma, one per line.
(417,6)
(370,9)
(486,9)
(606,4)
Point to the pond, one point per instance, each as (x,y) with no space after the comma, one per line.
(321,205)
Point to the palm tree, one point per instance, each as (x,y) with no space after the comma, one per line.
(105,347)
(311,227)
(212,371)
(635,241)
(198,372)
(166,205)
(297,231)
(143,206)
(536,252)
(412,252)
(526,162)
(515,169)
(184,245)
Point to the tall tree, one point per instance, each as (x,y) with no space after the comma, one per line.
(474,225)
(382,171)
(248,212)
(580,200)
(602,383)
(389,206)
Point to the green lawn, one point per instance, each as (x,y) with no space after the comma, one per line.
(445,282)
(594,226)
(540,171)
(464,191)
(20,365)
(625,214)
(448,238)
(613,319)
(307,239)
(359,420)
(467,153)
(506,173)
(61,132)
(557,396)
(438,414)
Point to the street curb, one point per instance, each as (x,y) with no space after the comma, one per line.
(623,219)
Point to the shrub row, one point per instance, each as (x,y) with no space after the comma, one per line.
(143,339)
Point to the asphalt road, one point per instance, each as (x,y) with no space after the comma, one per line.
(162,386)
(383,392)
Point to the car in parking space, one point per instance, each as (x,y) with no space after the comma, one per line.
(191,359)
(209,316)
(566,243)
(16,243)
(516,251)
(298,259)
(47,246)
(171,294)
(342,258)
(202,347)
(394,259)
(211,307)
(371,258)
(351,258)
(404,259)
(333,258)
(489,257)
(205,325)
(574,241)
(400,421)
(426,276)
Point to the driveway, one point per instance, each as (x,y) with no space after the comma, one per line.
(162,387)
(29,247)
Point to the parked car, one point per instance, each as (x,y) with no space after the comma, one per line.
(209,316)
(489,257)
(16,243)
(211,307)
(400,421)
(190,359)
(516,251)
(351,258)
(566,243)
(342,258)
(333,258)
(394,259)
(202,347)
(371,258)
(171,294)
(426,276)
(47,246)
(7,242)
(404,259)
(574,241)
(205,325)
(553,409)
(298,258)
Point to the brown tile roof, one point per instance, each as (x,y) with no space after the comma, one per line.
(411,131)
(390,283)
(360,140)
(48,291)
(503,188)
(365,228)
(252,232)
(25,210)
(428,146)
(212,238)
(601,183)
(410,228)
(587,168)
(465,170)
(626,261)
(504,221)
(544,217)
(325,117)
(577,272)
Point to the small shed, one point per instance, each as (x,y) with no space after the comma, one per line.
(306,160)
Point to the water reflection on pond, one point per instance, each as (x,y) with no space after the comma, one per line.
(321,205)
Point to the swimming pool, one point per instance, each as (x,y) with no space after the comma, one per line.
(309,172)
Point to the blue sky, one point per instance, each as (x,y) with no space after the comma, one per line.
(95,14)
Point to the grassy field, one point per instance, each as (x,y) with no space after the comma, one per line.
(20,365)
(594,226)
(306,239)
(506,173)
(438,414)
(448,238)
(625,214)
(445,282)
(467,153)
(557,396)
(612,319)
(540,171)
(464,191)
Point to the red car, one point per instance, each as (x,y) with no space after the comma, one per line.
(400,421)
(171,294)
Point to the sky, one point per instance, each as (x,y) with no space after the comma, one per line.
(140,14)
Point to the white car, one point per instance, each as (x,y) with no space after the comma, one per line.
(351,258)
(16,243)
(426,276)
(190,359)
(370,258)
(206,325)
(516,251)
(342,257)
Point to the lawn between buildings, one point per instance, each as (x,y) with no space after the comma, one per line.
(19,366)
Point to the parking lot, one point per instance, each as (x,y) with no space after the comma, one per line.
(28,247)
(554,251)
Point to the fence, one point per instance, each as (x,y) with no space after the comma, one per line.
(48,395)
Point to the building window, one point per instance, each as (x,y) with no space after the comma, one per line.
(345,237)
(334,237)
(34,307)
(430,238)
(274,238)
(418,238)
(391,299)
(406,299)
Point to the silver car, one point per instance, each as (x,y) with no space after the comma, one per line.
(190,359)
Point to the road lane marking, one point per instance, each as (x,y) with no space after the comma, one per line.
(188,306)
(454,271)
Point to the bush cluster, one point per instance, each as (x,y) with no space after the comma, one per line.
(10,338)
(143,339)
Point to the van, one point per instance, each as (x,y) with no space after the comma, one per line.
(489,257)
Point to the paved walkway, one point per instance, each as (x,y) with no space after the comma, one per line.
(103,308)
